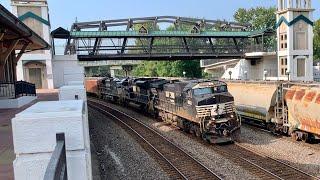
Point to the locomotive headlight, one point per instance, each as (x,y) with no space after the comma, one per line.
(213,112)
(225,132)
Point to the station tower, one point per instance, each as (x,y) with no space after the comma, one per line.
(295,40)
(36,66)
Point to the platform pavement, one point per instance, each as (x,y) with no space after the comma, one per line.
(6,143)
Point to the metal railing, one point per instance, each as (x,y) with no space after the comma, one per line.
(260,48)
(57,167)
(17,89)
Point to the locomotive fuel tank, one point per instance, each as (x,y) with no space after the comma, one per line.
(304,108)
(254,100)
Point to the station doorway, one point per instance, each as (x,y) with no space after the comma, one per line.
(35,77)
(35,72)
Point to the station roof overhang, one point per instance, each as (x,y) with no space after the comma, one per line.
(12,29)
(60,33)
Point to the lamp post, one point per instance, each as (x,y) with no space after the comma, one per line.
(184,73)
(288,74)
(265,72)
(230,73)
(246,75)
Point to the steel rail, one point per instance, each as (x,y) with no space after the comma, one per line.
(276,160)
(251,163)
(146,141)
(235,155)
(155,132)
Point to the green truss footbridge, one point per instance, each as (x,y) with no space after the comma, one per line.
(143,39)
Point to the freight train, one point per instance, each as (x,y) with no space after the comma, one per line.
(290,108)
(204,108)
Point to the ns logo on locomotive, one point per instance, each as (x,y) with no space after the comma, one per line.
(204,108)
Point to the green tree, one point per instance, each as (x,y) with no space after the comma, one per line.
(259,17)
(169,68)
(316,41)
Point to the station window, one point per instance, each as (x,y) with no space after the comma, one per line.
(283,41)
(283,66)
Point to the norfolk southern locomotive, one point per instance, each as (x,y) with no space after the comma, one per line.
(202,107)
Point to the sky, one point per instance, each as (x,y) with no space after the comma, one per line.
(64,12)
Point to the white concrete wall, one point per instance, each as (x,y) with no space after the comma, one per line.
(70,91)
(66,68)
(254,72)
(33,166)
(16,103)
(34,137)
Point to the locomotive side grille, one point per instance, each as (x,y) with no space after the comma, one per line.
(205,111)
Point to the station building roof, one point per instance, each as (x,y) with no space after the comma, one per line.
(11,28)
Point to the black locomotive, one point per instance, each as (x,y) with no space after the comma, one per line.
(202,107)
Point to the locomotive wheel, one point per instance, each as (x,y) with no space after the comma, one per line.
(295,136)
(205,138)
(186,129)
(197,131)
(271,127)
(305,138)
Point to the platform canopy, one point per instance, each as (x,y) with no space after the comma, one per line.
(14,31)
(15,39)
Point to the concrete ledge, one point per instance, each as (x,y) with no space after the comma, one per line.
(16,103)
(33,166)
(34,129)
(70,92)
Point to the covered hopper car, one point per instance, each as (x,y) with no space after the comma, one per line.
(282,107)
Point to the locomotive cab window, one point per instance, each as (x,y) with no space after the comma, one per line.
(221,89)
(210,90)
(202,91)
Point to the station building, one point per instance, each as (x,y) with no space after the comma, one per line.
(15,39)
(36,66)
(292,59)
(42,67)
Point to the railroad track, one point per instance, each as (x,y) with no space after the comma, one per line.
(175,161)
(314,146)
(261,165)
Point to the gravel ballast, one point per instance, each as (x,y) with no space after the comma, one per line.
(214,161)
(298,155)
(118,155)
